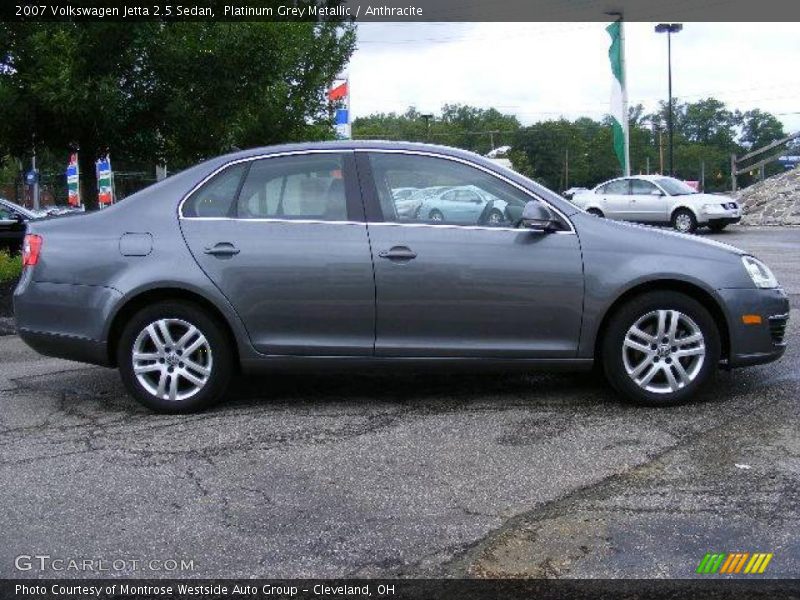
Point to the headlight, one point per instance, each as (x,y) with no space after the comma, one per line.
(759,272)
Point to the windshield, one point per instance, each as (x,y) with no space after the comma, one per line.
(674,187)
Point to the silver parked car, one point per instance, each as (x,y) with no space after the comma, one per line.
(294,257)
(657,199)
(463,205)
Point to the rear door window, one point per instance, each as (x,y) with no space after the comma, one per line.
(295,187)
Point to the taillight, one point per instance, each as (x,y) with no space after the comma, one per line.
(31,248)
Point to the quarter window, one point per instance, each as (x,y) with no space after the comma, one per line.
(445,192)
(294,187)
(215,198)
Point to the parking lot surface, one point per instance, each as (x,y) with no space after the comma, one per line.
(384,474)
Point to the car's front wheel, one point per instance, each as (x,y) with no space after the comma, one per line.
(684,221)
(174,358)
(660,348)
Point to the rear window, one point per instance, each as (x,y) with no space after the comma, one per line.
(215,197)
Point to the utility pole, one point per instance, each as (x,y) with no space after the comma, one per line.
(35,176)
(427,118)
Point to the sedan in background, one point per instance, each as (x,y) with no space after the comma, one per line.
(463,205)
(659,200)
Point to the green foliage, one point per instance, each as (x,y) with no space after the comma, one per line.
(458,125)
(562,153)
(10,266)
(178,92)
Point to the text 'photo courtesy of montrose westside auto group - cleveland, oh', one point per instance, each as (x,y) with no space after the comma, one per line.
(347,299)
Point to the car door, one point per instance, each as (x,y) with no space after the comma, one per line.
(648,204)
(467,290)
(615,199)
(284,239)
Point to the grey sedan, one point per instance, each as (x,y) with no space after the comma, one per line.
(295,257)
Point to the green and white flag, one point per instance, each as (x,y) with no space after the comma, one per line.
(619,95)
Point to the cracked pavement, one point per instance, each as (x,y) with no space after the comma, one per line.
(382,474)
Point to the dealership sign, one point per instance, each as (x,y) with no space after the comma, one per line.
(105,181)
(73,181)
(340,94)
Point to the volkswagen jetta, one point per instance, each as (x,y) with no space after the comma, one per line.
(295,257)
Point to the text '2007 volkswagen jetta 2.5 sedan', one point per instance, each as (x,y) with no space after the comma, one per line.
(297,257)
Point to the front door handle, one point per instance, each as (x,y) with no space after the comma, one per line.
(222,249)
(398,253)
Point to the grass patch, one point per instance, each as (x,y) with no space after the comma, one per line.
(10,266)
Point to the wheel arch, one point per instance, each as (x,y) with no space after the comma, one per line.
(139,300)
(684,207)
(692,290)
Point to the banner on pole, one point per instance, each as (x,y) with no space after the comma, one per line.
(73,181)
(339,93)
(105,181)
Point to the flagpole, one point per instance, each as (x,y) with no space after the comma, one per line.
(625,119)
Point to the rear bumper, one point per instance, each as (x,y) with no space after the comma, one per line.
(64,320)
(68,347)
(758,343)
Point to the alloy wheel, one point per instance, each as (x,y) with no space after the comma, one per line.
(663,351)
(683,223)
(172,359)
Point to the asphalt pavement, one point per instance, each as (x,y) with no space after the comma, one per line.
(381,474)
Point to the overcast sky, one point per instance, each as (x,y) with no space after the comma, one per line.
(541,71)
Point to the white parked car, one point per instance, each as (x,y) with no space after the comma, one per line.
(658,199)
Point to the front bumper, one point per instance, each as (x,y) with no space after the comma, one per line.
(753,344)
(719,214)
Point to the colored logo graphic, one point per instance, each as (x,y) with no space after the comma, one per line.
(732,563)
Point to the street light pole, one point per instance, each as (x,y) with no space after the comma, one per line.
(669,29)
(427,118)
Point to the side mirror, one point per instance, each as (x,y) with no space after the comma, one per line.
(537,217)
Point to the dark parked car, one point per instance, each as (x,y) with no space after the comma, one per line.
(295,257)
(13,218)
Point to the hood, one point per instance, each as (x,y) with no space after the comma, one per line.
(655,233)
(708,198)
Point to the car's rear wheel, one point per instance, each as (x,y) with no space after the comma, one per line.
(436,216)
(660,348)
(174,358)
(596,212)
(683,220)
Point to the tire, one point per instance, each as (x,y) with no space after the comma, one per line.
(695,367)
(435,215)
(495,217)
(596,212)
(199,385)
(684,221)
(717,227)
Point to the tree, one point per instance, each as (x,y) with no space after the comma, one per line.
(176,92)
(458,125)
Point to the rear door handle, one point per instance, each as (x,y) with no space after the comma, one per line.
(222,249)
(398,253)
